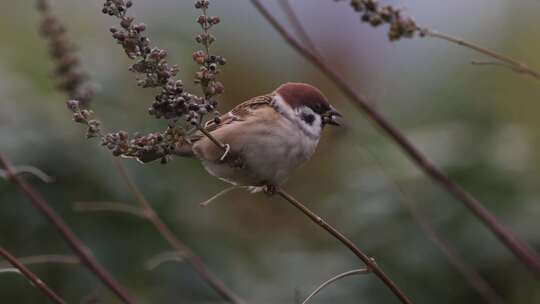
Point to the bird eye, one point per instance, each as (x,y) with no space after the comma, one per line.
(308,118)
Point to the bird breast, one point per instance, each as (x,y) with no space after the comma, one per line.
(270,148)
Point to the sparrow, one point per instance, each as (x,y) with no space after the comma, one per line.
(267,137)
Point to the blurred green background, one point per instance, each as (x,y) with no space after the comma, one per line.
(479,124)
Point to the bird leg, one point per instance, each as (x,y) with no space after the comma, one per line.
(270,190)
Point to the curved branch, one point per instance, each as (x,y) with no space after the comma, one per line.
(473,278)
(220,194)
(49,258)
(515,65)
(401,26)
(372,266)
(145,211)
(44,177)
(297,24)
(71,239)
(520,249)
(110,207)
(455,259)
(334,279)
(10,270)
(182,249)
(163,257)
(31,277)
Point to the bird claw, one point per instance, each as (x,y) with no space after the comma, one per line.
(270,190)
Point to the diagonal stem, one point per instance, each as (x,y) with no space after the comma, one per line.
(30,170)
(514,64)
(163,257)
(48,258)
(455,259)
(297,24)
(372,266)
(72,240)
(110,207)
(473,277)
(182,249)
(335,279)
(32,277)
(528,256)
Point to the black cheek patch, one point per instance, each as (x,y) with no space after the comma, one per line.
(308,118)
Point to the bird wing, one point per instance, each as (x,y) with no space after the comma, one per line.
(240,113)
(233,126)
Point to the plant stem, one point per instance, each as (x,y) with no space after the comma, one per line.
(472,277)
(514,64)
(31,277)
(348,243)
(520,249)
(76,245)
(49,258)
(334,279)
(182,249)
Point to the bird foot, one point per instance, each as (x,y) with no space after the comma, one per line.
(270,190)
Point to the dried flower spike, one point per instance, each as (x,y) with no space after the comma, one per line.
(375,15)
(209,65)
(71,79)
(172,102)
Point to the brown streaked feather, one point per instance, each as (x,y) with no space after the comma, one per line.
(240,112)
(236,132)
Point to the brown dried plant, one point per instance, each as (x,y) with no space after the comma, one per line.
(400,26)
(185,112)
(526,255)
(172,103)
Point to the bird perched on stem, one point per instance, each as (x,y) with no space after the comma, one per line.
(266,137)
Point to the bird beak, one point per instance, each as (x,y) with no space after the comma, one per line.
(332,117)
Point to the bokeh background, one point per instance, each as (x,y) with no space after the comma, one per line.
(479,124)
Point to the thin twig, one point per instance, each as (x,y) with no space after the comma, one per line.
(31,277)
(471,275)
(520,249)
(495,63)
(401,26)
(220,194)
(45,259)
(514,64)
(10,270)
(347,242)
(473,278)
(182,249)
(297,24)
(76,245)
(29,170)
(163,257)
(334,279)
(110,207)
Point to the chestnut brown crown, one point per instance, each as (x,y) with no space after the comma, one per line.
(304,95)
(301,94)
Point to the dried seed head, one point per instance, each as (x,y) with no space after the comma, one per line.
(375,15)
